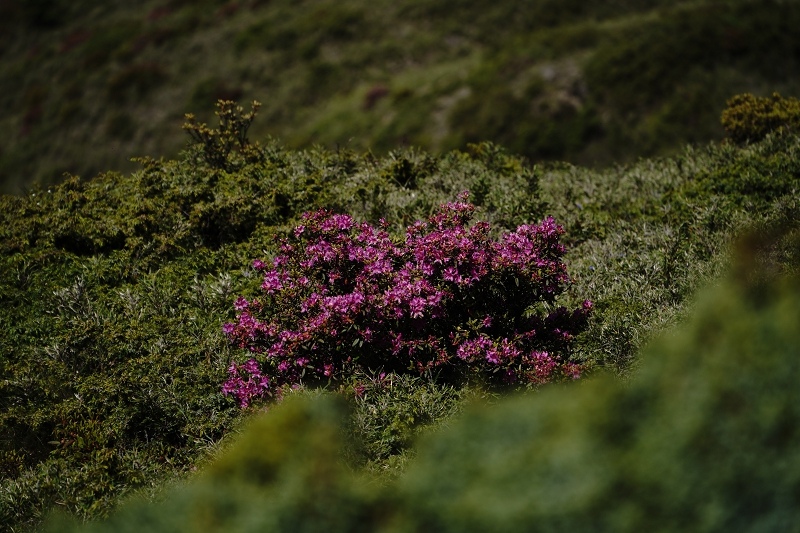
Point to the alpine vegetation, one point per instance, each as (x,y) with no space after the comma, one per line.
(344,297)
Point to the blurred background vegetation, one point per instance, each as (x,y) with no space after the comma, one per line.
(86,85)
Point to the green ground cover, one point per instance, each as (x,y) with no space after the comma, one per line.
(114,291)
(702,439)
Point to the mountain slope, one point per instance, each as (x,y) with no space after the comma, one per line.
(86,86)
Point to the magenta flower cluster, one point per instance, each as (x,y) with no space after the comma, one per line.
(446,298)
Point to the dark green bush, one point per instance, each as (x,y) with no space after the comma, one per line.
(286,473)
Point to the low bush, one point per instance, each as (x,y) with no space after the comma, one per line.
(113,292)
(448,299)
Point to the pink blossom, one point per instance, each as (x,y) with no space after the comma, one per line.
(272,281)
(416,307)
(344,295)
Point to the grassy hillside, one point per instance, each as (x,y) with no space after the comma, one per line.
(86,85)
(114,291)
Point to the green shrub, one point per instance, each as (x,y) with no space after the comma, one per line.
(113,293)
(748,118)
(286,473)
(216,144)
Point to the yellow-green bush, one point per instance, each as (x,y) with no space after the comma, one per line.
(113,292)
(751,118)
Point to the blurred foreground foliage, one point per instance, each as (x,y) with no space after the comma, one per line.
(704,438)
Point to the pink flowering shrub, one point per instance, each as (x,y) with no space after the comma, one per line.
(447,298)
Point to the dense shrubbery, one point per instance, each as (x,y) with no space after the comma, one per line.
(703,439)
(344,298)
(114,290)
